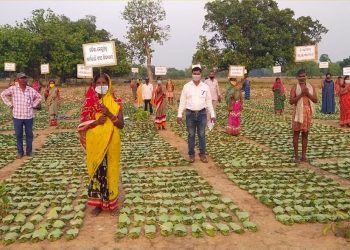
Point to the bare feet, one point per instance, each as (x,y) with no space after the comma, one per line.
(304,159)
(96,211)
(116,211)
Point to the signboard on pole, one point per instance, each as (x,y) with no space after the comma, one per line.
(276,69)
(346,71)
(135,70)
(236,70)
(44,69)
(100,54)
(85,72)
(323,65)
(9,66)
(160,71)
(305,53)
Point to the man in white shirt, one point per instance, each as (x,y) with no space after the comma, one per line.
(214,89)
(195,98)
(147,92)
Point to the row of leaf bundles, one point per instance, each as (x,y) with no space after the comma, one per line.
(36,228)
(179,229)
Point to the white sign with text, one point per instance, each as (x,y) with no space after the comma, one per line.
(135,70)
(100,54)
(9,66)
(160,71)
(276,69)
(236,70)
(346,71)
(84,71)
(305,53)
(44,69)
(323,65)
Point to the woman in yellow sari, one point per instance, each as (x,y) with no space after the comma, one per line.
(139,98)
(102,118)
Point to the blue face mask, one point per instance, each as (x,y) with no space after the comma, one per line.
(102,90)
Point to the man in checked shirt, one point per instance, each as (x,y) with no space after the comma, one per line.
(23,100)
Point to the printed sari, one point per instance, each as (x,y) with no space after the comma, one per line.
(233,101)
(160,102)
(103,149)
(344,103)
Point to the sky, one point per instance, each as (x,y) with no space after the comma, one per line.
(186,19)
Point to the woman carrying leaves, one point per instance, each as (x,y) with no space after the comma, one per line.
(279,96)
(160,102)
(344,102)
(234,101)
(52,96)
(102,119)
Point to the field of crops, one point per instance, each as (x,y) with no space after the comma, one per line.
(261,190)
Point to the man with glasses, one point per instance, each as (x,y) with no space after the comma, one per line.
(302,96)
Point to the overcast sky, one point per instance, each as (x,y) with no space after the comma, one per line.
(186,20)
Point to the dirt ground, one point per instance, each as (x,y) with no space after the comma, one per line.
(98,233)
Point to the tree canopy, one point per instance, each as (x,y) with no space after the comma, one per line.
(46,37)
(144,18)
(256,33)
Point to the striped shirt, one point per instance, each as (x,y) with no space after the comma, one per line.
(21,102)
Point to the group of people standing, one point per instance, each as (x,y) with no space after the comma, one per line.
(340,89)
(150,96)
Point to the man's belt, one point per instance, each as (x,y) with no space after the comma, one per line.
(194,111)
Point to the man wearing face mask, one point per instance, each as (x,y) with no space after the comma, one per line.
(23,100)
(195,98)
(328,99)
(302,96)
(147,92)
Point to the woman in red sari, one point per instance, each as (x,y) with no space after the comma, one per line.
(161,103)
(102,119)
(344,102)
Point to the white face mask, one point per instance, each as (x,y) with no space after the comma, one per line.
(196,77)
(102,90)
(347,81)
(159,82)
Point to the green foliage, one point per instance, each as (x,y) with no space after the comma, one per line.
(258,34)
(46,37)
(345,62)
(4,201)
(144,18)
(207,54)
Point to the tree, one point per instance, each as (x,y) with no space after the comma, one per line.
(325,58)
(46,37)
(345,63)
(144,18)
(207,54)
(256,33)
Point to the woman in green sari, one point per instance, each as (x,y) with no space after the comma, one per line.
(279,96)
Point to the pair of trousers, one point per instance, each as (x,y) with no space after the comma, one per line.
(148,104)
(28,128)
(196,121)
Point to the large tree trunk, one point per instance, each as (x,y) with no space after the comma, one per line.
(149,64)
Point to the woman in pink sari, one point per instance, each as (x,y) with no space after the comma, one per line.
(344,103)
(234,101)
